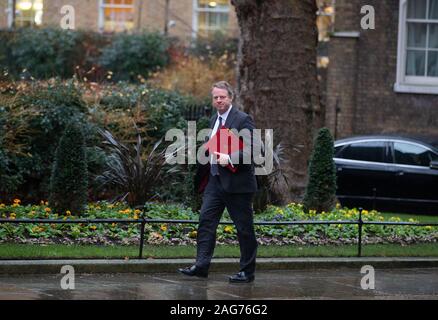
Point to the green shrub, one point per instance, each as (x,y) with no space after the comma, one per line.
(69,179)
(132,55)
(34,113)
(5,52)
(321,188)
(31,121)
(45,53)
(216,46)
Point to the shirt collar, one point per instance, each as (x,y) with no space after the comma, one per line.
(225,115)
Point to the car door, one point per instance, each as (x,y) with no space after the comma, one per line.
(417,182)
(362,173)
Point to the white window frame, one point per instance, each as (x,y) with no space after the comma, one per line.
(102,6)
(404,83)
(197,10)
(10,12)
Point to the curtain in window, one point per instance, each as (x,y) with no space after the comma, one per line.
(433,9)
(422,38)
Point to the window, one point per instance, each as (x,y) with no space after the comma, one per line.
(28,13)
(116,15)
(410,154)
(210,17)
(417,65)
(373,151)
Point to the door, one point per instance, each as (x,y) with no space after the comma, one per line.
(417,182)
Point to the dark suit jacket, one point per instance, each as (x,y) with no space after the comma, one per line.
(243,180)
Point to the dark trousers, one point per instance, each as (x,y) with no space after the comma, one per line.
(239,206)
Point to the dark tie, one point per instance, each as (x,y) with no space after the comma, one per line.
(214,169)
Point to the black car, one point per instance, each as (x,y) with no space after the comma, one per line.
(388,173)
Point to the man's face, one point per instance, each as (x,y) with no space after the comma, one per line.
(221,100)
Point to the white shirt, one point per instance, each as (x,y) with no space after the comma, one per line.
(224,119)
(216,127)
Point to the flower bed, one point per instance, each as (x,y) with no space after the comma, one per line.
(181,234)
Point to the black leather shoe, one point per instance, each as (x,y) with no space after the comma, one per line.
(194,271)
(242,277)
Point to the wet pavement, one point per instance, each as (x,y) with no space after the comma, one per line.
(344,283)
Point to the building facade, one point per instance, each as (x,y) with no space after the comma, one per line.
(181,18)
(383,80)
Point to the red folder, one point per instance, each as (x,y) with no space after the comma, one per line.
(224,141)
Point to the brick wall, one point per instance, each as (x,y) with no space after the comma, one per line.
(341,86)
(151,16)
(3,14)
(368,102)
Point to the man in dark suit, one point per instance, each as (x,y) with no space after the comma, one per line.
(231,184)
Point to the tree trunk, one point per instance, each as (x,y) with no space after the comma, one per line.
(277,79)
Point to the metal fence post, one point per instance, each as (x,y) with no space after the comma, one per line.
(374,198)
(359,242)
(143,223)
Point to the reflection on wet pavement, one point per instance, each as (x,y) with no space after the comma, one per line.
(294,284)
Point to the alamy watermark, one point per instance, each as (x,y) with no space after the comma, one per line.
(368,21)
(368,280)
(68,281)
(68,21)
(243,147)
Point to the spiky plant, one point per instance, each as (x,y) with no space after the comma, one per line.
(132,171)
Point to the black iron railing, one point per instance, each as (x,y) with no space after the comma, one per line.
(143,221)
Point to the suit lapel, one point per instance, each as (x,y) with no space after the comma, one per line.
(231,116)
(213,121)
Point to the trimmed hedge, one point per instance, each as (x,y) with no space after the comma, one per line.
(53,52)
(321,189)
(69,180)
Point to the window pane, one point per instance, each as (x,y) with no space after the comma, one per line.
(223,20)
(417,35)
(118,14)
(432,64)
(411,154)
(212,20)
(433,35)
(202,20)
(415,63)
(433,9)
(366,151)
(417,9)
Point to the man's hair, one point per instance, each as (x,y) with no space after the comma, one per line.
(226,86)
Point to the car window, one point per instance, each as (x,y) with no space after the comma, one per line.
(365,151)
(406,153)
